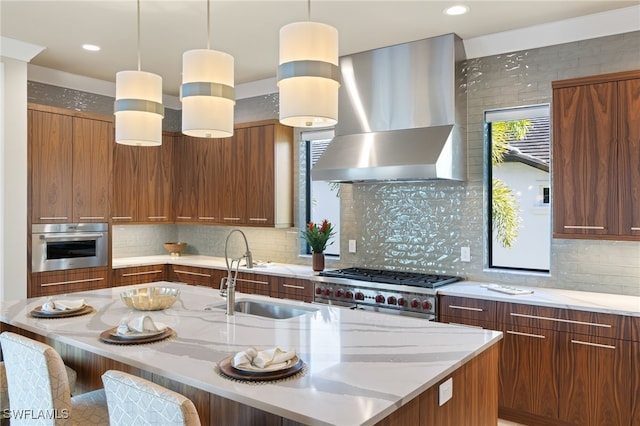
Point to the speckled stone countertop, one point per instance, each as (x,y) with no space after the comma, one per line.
(554,298)
(360,366)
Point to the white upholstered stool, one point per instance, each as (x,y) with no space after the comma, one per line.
(134,401)
(38,387)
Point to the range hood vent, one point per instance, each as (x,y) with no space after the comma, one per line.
(402,115)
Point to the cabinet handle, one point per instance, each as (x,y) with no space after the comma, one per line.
(91,217)
(299,287)
(598,345)
(466,308)
(583,227)
(122,218)
(199,274)
(206,218)
(258,219)
(54,218)
(183,217)
(156,217)
(634,228)
(254,281)
(231,218)
(72,282)
(133,274)
(538,336)
(593,324)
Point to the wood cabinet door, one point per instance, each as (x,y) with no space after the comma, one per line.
(210,182)
(260,176)
(139,275)
(154,176)
(186,152)
(92,145)
(629,157)
(233,183)
(51,156)
(595,380)
(585,198)
(296,289)
(69,281)
(254,284)
(124,202)
(528,371)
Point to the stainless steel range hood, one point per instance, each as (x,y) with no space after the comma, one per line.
(402,115)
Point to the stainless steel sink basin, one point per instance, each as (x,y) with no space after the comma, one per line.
(267,310)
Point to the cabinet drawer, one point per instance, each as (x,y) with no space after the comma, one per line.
(478,310)
(61,282)
(139,275)
(568,320)
(195,276)
(446,319)
(253,284)
(292,288)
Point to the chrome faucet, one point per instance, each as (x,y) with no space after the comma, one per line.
(230,279)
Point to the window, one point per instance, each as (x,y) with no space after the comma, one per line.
(322,198)
(519,216)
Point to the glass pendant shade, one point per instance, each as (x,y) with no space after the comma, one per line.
(207,93)
(308,75)
(138,108)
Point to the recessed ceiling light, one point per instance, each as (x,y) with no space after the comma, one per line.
(91,47)
(456,10)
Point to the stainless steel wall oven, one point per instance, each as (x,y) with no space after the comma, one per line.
(62,246)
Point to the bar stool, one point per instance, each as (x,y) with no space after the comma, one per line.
(136,401)
(38,387)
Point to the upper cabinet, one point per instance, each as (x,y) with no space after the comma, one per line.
(69,165)
(596,157)
(142,179)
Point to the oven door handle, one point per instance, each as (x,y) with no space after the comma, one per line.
(71,237)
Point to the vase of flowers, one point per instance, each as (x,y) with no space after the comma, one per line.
(318,239)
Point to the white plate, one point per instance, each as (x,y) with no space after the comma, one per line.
(282,366)
(136,335)
(61,311)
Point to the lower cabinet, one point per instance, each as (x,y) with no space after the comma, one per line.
(69,281)
(293,288)
(559,366)
(139,275)
(254,283)
(193,275)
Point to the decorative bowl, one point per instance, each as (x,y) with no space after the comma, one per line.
(150,298)
(175,249)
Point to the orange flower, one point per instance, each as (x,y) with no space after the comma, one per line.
(318,238)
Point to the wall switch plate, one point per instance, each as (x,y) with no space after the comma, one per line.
(445,391)
(352,246)
(465,254)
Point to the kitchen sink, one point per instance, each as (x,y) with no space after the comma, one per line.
(267,310)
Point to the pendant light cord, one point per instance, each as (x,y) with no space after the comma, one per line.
(208,24)
(138,35)
(309,10)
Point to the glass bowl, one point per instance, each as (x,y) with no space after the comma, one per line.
(150,298)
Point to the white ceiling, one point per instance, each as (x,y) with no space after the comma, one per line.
(248,30)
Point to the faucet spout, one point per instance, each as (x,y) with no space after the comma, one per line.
(231,277)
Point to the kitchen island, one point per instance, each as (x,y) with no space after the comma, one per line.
(361,368)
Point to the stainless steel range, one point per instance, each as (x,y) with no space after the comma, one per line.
(397,292)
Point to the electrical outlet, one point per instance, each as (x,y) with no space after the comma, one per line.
(445,391)
(352,246)
(465,254)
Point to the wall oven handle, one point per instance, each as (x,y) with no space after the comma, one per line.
(71,237)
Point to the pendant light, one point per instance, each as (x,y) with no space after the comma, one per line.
(138,107)
(207,91)
(308,75)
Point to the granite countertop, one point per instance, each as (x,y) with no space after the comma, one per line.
(554,298)
(360,366)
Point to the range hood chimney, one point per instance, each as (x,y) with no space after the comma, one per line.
(402,115)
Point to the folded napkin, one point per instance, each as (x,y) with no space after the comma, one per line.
(273,358)
(143,324)
(58,305)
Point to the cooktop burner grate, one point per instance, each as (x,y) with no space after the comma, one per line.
(414,279)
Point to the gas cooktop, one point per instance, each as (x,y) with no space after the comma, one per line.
(386,276)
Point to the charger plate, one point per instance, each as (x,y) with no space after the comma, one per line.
(227,369)
(111,336)
(39,313)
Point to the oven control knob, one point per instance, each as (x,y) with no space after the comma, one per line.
(327,292)
(415,303)
(427,305)
(348,294)
(402,301)
(339,292)
(318,290)
(380,298)
(359,295)
(391,300)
